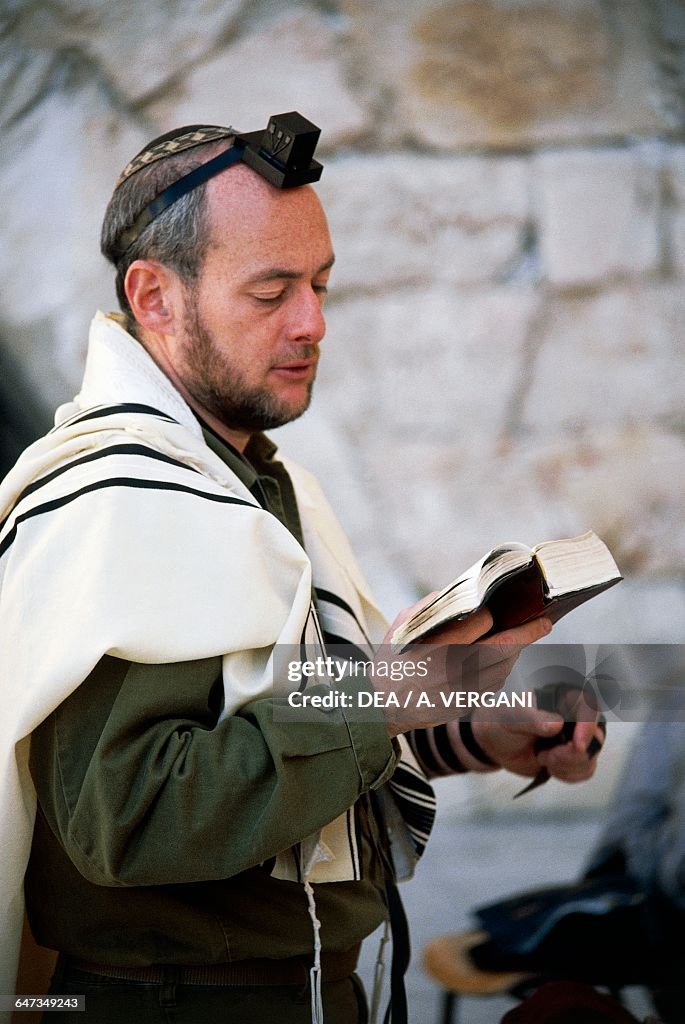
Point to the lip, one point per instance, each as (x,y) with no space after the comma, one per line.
(297,369)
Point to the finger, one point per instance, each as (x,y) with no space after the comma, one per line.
(525,721)
(589,737)
(412,609)
(463,631)
(561,767)
(567,758)
(523,635)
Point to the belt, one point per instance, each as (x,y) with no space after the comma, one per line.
(290,971)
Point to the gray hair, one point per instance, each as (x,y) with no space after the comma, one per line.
(177,238)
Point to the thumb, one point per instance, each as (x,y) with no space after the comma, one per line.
(534,722)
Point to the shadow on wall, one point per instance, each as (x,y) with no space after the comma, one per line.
(23,417)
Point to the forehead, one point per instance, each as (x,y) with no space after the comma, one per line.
(250,220)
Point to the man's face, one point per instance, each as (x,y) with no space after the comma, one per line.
(253,320)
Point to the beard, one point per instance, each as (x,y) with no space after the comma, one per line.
(219,384)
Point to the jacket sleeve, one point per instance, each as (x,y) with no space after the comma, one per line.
(144,783)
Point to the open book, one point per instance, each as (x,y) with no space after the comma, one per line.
(518,583)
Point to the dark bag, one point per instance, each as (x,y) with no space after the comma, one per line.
(518,924)
(597,930)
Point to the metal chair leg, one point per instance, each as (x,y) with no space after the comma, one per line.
(449,1008)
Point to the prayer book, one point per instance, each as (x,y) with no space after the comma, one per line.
(517,583)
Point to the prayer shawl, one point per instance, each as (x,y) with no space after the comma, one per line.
(149,579)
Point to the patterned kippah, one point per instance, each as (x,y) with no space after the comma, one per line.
(173,142)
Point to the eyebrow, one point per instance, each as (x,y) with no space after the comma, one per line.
(274,273)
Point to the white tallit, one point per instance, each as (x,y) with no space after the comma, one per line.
(149,578)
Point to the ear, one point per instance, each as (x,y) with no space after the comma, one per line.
(153,293)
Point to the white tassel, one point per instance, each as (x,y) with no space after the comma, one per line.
(315,972)
(378,976)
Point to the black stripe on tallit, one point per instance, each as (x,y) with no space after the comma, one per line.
(151,485)
(115,449)
(114,410)
(355,652)
(328,595)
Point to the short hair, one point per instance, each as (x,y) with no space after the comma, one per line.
(178,237)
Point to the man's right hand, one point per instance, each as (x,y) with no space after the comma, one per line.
(452,663)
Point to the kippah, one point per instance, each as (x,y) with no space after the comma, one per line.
(173,142)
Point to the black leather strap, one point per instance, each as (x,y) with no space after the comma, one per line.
(179,188)
(472,745)
(444,748)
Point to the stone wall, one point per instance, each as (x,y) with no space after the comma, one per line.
(505,181)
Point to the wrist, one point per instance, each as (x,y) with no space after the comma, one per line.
(467,742)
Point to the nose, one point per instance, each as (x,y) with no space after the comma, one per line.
(307,321)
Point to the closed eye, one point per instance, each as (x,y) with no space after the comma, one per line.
(269,298)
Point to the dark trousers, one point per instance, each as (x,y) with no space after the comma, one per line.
(111,1001)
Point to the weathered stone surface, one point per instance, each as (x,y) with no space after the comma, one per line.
(25,76)
(486,72)
(628,485)
(136,46)
(428,362)
(452,220)
(443,506)
(598,214)
(67,151)
(676,182)
(291,63)
(670,48)
(616,357)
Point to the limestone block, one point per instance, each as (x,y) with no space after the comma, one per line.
(435,362)
(676,180)
(626,484)
(598,214)
(444,505)
(611,358)
(291,62)
(137,47)
(400,218)
(58,169)
(489,72)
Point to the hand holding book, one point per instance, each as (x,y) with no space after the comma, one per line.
(499,600)
(517,583)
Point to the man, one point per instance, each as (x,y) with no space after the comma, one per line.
(195,853)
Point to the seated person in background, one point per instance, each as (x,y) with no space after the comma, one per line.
(622,924)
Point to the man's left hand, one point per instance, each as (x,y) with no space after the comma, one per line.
(509,737)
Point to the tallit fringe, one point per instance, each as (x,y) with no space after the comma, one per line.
(379,975)
(315,972)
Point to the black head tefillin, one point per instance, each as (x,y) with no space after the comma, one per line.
(282,153)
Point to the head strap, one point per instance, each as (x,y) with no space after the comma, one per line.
(282,154)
